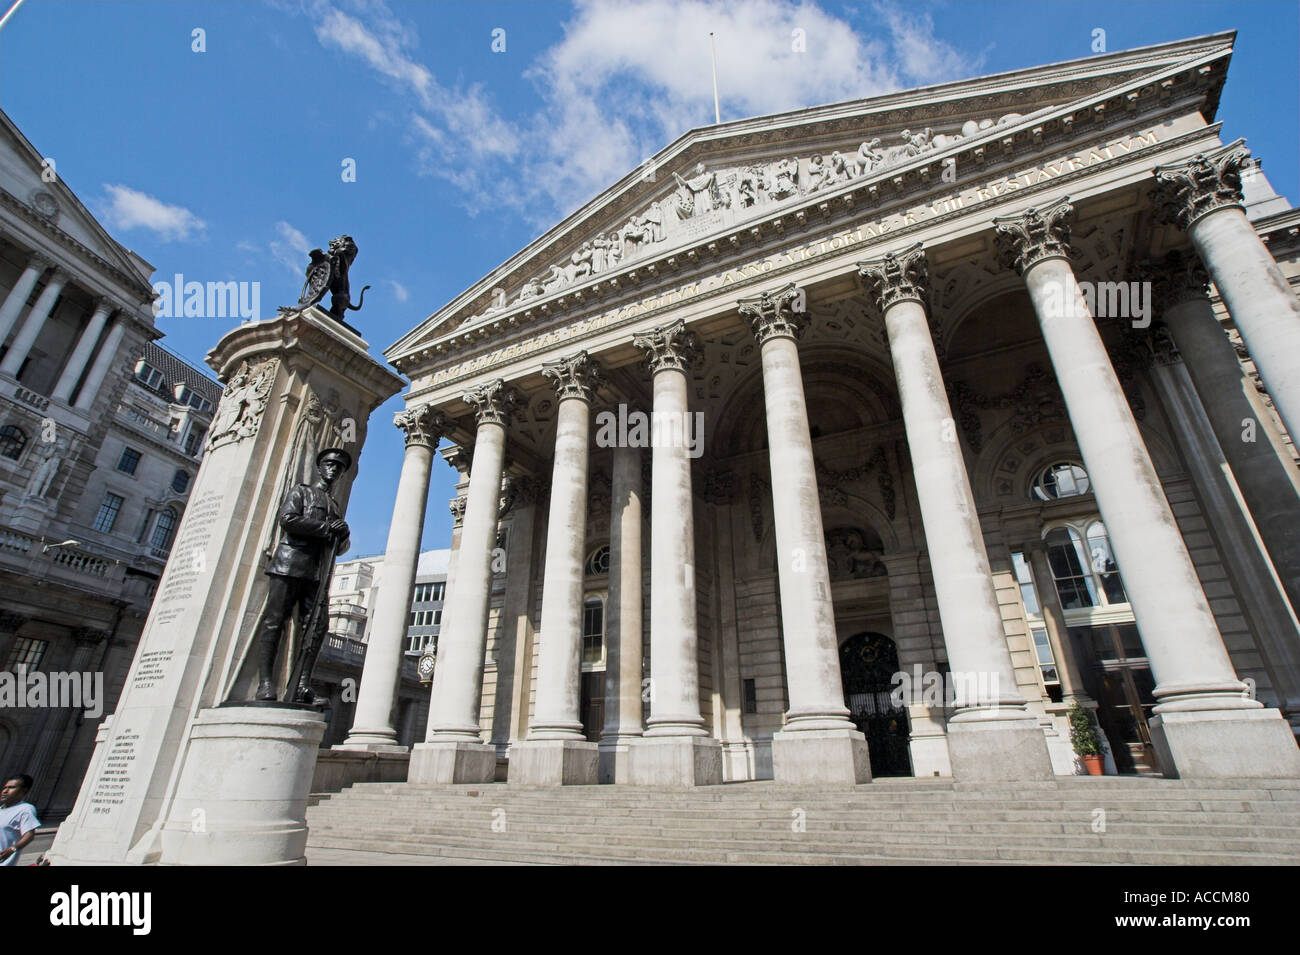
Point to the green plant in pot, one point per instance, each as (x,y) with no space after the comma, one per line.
(1086,739)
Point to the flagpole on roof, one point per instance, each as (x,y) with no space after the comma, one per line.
(18,3)
(713,55)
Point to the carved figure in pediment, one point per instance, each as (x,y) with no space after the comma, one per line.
(637,234)
(531,289)
(843,168)
(785,179)
(655,219)
(816,176)
(556,277)
(599,254)
(698,195)
(581,262)
(615,252)
(917,143)
(870,155)
(498,300)
(749,184)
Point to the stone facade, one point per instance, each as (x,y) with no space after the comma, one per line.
(918,393)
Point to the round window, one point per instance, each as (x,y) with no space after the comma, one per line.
(1060,480)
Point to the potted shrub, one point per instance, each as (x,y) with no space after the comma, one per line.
(1086,739)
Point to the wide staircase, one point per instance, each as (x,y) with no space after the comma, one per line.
(1071,820)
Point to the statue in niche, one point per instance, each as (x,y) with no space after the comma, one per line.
(313,534)
(43,478)
(328,272)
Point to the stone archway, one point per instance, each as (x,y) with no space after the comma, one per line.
(868,662)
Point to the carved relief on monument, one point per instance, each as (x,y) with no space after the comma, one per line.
(853,553)
(239,414)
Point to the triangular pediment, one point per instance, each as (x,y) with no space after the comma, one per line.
(724,178)
(49,205)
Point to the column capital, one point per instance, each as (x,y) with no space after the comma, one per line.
(897,276)
(577,376)
(105,304)
(1187,191)
(668,347)
(423,425)
(1178,278)
(39,260)
(492,402)
(1034,235)
(457,507)
(778,314)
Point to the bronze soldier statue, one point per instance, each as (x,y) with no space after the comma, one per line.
(314,532)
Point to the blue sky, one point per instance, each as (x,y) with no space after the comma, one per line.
(226,164)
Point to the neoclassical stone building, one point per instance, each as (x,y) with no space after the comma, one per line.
(986,383)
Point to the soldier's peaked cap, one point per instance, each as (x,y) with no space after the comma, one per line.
(344,458)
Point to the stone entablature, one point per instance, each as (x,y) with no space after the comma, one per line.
(1088,169)
(1181,85)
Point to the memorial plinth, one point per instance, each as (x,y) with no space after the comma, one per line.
(295,384)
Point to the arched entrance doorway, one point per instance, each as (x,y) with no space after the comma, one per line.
(868,662)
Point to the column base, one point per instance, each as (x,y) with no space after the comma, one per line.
(615,759)
(820,758)
(553,762)
(451,762)
(1222,744)
(677,761)
(347,746)
(998,750)
(928,742)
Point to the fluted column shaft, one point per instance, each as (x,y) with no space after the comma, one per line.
(623,614)
(559,667)
(372,724)
(99,370)
(81,353)
(31,327)
(18,295)
(462,642)
(1204,197)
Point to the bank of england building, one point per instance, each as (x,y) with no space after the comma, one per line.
(863,440)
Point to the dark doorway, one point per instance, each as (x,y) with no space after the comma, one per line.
(868,662)
(593,703)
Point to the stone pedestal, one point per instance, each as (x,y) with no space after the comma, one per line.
(452,761)
(242,796)
(995,750)
(553,762)
(1225,744)
(295,384)
(820,758)
(675,761)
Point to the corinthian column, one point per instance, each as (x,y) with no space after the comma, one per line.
(372,727)
(676,749)
(992,735)
(623,619)
(1181,287)
(22,290)
(31,327)
(1204,723)
(818,743)
(1203,196)
(453,751)
(556,752)
(81,354)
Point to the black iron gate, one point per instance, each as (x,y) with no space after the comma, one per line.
(868,662)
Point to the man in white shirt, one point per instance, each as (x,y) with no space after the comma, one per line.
(18,822)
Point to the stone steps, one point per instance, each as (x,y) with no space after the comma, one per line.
(1149,822)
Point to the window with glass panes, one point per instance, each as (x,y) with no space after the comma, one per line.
(1037,627)
(12,441)
(26,652)
(128,461)
(164,530)
(108,512)
(593,631)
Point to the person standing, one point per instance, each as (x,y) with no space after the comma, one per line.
(18,822)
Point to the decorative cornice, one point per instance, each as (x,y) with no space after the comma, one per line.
(1035,235)
(424,426)
(779,314)
(458,456)
(668,347)
(1186,192)
(577,376)
(897,277)
(1177,279)
(492,401)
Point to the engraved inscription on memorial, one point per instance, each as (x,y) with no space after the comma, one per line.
(188,563)
(110,790)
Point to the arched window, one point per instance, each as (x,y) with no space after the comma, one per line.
(180,481)
(597,562)
(1063,479)
(12,441)
(164,531)
(1083,567)
(593,630)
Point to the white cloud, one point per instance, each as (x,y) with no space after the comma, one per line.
(291,248)
(399,290)
(626,79)
(124,208)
